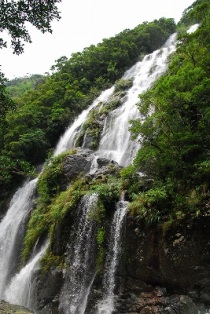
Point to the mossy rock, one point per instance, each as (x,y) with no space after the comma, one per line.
(6,308)
(122,85)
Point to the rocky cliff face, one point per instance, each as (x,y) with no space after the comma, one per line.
(164,268)
(161,271)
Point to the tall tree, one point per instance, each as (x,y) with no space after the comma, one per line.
(15,14)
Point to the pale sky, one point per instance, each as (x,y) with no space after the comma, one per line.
(83,23)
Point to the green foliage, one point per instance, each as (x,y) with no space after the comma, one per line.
(12,171)
(50,211)
(132,182)
(108,190)
(6,104)
(100,238)
(49,260)
(15,14)
(150,206)
(196,13)
(20,85)
(55,201)
(51,179)
(122,85)
(175,131)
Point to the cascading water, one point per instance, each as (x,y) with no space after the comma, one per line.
(67,140)
(116,141)
(106,306)
(115,144)
(80,275)
(19,289)
(10,227)
(19,208)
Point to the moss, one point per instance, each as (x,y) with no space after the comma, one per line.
(91,128)
(50,205)
(100,237)
(166,226)
(49,260)
(50,181)
(122,85)
(7,308)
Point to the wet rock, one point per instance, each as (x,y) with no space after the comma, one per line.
(104,171)
(104,162)
(46,290)
(76,164)
(177,258)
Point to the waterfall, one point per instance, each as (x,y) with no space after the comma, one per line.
(80,275)
(19,289)
(106,306)
(67,140)
(116,141)
(10,231)
(115,144)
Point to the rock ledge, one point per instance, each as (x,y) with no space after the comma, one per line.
(6,308)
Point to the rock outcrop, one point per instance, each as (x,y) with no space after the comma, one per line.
(164,268)
(6,308)
(176,257)
(77,164)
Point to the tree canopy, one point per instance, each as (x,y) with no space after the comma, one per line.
(14,16)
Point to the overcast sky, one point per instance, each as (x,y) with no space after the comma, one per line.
(85,22)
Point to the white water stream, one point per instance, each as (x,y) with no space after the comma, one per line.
(116,141)
(106,306)
(10,227)
(19,289)
(80,275)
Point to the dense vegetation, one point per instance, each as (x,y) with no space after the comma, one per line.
(31,126)
(176,133)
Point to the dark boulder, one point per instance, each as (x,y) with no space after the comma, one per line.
(77,164)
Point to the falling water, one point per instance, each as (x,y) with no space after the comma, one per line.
(79,277)
(67,140)
(10,227)
(106,306)
(116,141)
(19,289)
